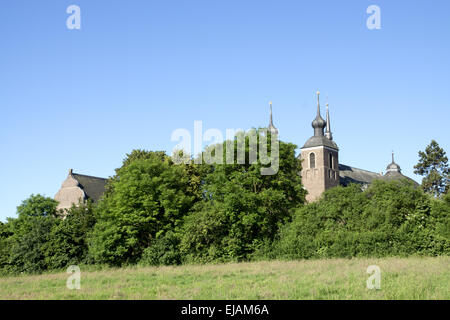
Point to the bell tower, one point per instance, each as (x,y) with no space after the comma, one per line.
(319,155)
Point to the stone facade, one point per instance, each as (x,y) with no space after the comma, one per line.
(320,159)
(320,170)
(79,187)
(69,193)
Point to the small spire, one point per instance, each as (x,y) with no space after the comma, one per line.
(318,123)
(318,103)
(271,121)
(328,133)
(393,166)
(271,126)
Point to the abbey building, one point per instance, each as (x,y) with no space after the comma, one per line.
(321,169)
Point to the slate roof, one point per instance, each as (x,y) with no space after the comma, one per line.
(316,141)
(349,175)
(93,187)
(396,175)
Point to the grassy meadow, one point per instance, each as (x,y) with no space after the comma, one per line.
(401,278)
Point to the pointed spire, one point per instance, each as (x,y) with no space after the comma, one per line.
(318,124)
(318,104)
(271,120)
(393,166)
(328,133)
(271,126)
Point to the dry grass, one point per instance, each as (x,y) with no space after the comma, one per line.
(401,278)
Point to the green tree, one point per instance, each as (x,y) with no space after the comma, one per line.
(29,243)
(433,165)
(148,196)
(30,233)
(67,242)
(241,208)
(5,233)
(37,206)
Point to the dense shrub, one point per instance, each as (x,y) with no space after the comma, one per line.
(67,244)
(389,218)
(162,251)
(4,248)
(39,239)
(204,235)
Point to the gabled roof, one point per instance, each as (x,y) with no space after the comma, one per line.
(349,175)
(93,187)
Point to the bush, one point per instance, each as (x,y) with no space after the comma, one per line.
(4,247)
(204,234)
(162,251)
(388,219)
(67,244)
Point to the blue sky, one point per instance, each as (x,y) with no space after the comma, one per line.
(138,70)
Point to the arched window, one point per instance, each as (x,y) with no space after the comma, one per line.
(330,160)
(312,160)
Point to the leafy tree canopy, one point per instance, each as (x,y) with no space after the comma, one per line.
(29,234)
(241,207)
(37,206)
(147,197)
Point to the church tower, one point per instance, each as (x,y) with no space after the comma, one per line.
(319,155)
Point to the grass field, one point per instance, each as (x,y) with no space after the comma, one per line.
(401,278)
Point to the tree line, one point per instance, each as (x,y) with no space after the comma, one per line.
(156,212)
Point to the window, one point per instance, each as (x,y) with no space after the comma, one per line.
(312,160)
(330,161)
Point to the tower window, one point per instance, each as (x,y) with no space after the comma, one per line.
(330,160)
(312,160)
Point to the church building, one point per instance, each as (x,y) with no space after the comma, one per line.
(79,187)
(321,169)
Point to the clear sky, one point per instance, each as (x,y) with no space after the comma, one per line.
(138,70)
